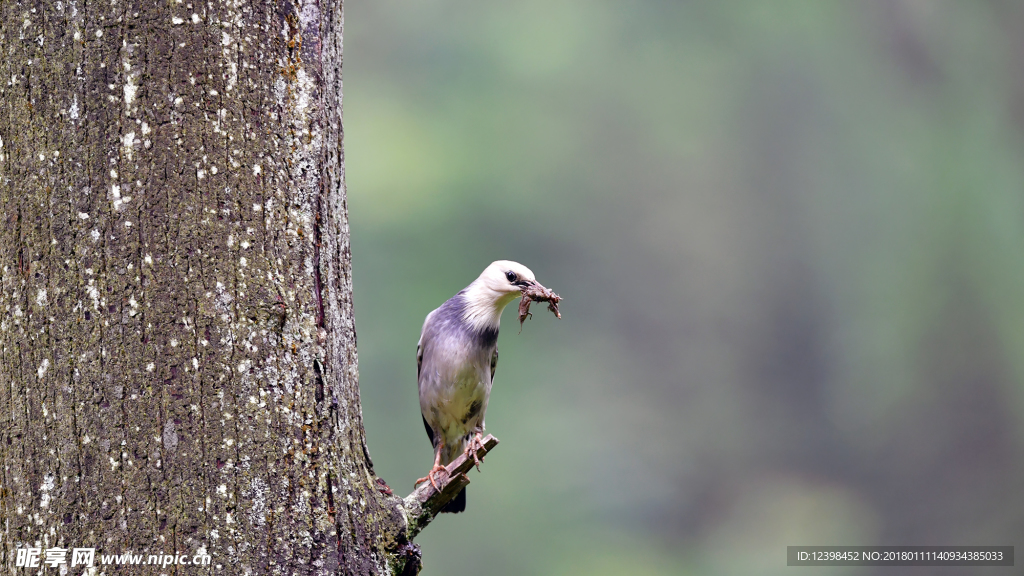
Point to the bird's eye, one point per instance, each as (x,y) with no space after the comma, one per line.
(511,276)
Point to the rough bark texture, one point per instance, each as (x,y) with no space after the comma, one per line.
(178,368)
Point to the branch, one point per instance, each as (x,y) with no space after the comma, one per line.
(425,502)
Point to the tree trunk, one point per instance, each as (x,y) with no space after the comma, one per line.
(178,370)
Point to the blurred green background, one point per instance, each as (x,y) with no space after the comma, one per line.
(790,239)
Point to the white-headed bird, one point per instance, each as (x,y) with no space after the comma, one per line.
(455,359)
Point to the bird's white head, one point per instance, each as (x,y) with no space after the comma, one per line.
(497,286)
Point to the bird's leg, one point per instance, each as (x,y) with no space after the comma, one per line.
(436,468)
(476,443)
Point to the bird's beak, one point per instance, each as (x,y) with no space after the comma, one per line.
(524,284)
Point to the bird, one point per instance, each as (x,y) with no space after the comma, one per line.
(456,357)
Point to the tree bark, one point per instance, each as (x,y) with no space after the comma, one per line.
(178,370)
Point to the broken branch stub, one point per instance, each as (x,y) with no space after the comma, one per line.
(425,501)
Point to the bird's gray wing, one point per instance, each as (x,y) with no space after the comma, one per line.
(419,367)
(419,360)
(419,371)
(494,362)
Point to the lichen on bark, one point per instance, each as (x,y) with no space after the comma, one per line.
(178,371)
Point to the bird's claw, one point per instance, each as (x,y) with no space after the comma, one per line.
(476,443)
(430,476)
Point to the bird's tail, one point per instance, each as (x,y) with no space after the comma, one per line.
(449,454)
(458,504)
